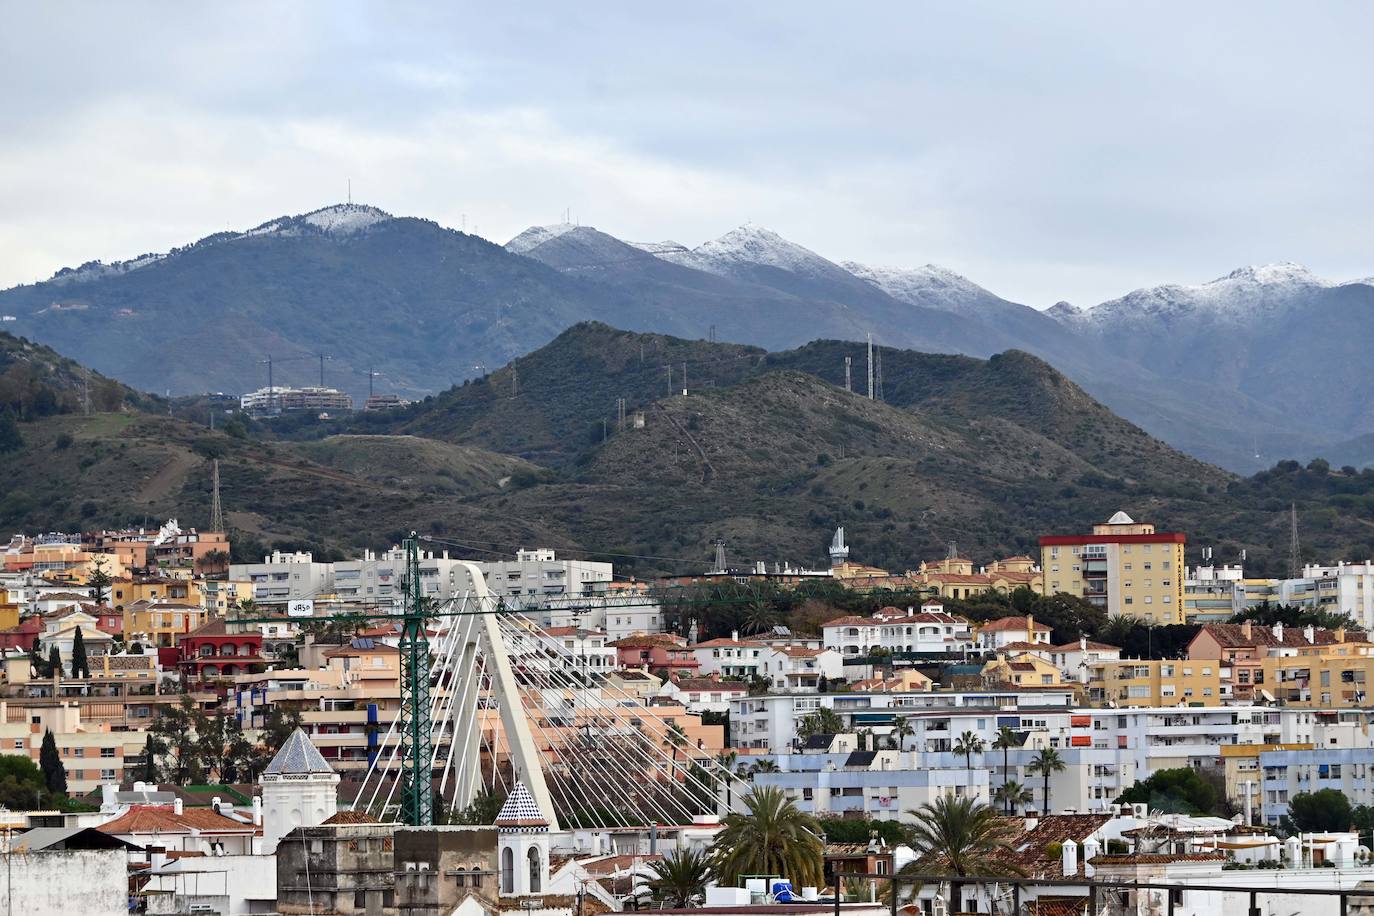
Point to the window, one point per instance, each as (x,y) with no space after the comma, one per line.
(536,884)
(107,752)
(476,877)
(507,871)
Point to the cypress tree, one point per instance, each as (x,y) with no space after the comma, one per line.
(54,662)
(80,667)
(50,763)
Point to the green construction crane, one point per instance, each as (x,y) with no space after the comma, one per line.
(417,791)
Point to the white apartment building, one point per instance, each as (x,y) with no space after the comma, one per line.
(283,577)
(1346,588)
(1349,770)
(620,615)
(882,785)
(536,575)
(733,657)
(929,631)
(800,669)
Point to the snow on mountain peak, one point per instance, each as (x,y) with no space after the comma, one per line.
(1240,294)
(750,244)
(535,236)
(346,219)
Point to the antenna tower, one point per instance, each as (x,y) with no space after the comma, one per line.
(1294,560)
(848,381)
(720,555)
(870,367)
(216,510)
(878,373)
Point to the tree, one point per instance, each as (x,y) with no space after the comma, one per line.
(673,739)
(227,752)
(963,837)
(153,747)
(483,809)
(901,730)
(969,744)
(80,667)
(99,581)
(178,728)
(22,786)
(1006,740)
(1046,763)
(772,836)
(1182,790)
(824,721)
(10,439)
(54,662)
(1319,812)
(1013,795)
(50,762)
(764,766)
(728,761)
(679,880)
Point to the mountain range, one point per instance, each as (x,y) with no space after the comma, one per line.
(1260,364)
(766,450)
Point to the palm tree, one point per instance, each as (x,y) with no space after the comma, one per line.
(964,837)
(1004,742)
(764,766)
(675,738)
(969,744)
(1013,795)
(727,761)
(824,721)
(1045,763)
(771,837)
(901,730)
(680,879)
(864,737)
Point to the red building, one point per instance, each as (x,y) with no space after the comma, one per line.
(21,637)
(657,652)
(211,651)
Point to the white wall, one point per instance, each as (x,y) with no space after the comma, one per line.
(89,882)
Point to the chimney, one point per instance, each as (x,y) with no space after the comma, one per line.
(178,807)
(1070,858)
(1030,628)
(734,635)
(1247,631)
(257,810)
(1340,634)
(1090,850)
(1278,631)
(1309,633)
(214,804)
(107,797)
(157,857)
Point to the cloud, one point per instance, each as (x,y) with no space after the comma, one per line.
(1062,150)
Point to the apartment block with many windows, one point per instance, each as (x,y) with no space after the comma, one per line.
(1124,566)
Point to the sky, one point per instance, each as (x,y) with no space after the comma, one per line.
(1049,151)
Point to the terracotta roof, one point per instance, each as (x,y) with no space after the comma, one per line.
(1033,646)
(612,864)
(650,640)
(140,819)
(1058,906)
(349,817)
(212,627)
(737,643)
(354,651)
(1099,646)
(1010,623)
(1031,850)
(1232,636)
(799,651)
(852,620)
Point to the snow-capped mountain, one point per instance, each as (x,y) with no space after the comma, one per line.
(752,246)
(535,236)
(1245,295)
(931,285)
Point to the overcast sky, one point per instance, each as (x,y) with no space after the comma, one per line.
(1046,150)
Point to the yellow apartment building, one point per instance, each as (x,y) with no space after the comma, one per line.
(1155,682)
(124,592)
(1321,676)
(161,624)
(1124,566)
(1025,669)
